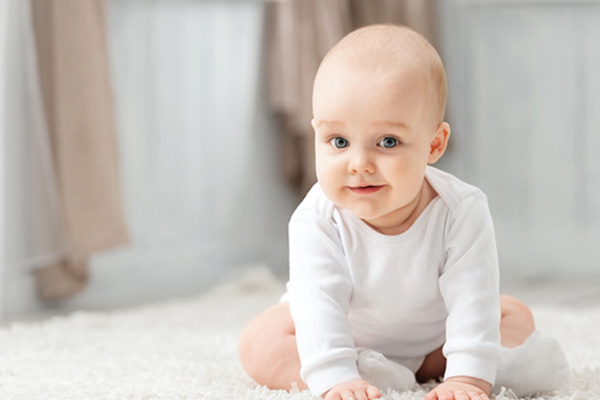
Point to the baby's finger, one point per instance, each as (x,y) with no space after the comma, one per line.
(347,395)
(446,396)
(360,395)
(431,395)
(478,396)
(333,395)
(373,392)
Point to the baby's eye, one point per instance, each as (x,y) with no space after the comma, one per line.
(389,142)
(339,142)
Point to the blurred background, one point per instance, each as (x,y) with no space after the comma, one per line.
(151,148)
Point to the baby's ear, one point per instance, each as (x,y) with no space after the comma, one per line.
(439,142)
(314,124)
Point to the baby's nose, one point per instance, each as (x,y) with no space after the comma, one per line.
(361,163)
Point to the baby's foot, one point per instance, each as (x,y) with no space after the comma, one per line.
(538,365)
(383,373)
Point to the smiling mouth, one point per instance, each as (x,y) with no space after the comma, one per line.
(365,189)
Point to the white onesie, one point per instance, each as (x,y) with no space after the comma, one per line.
(404,295)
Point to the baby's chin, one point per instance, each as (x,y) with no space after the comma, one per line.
(367,214)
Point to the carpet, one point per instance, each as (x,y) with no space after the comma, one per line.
(187,349)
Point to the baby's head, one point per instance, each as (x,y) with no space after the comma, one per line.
(378,105)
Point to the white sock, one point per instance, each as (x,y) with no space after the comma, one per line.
(383,373)
(538,365)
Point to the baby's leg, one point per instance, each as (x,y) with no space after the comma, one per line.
(269,355)
(268,351)
(529,361)
(516,326)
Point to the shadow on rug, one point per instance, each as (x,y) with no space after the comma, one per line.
(187,349)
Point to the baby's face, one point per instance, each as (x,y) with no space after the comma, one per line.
(373,142)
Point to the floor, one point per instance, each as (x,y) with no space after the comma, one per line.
(535,290)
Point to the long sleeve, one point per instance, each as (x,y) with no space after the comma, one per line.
(320,289)
(469,287)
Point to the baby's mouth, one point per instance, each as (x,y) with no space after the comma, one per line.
(366,189)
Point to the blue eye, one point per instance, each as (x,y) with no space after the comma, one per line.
(339,142)
(389,142)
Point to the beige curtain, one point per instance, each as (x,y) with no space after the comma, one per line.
(299,34)
(71,38)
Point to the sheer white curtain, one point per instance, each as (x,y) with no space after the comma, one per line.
(202,188)
(30,230)
(201,185)
(3,95)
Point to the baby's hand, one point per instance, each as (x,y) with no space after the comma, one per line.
(461,388)
(357,390)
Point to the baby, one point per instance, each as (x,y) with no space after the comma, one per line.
(393,263)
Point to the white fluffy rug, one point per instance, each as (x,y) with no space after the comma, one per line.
(187,349)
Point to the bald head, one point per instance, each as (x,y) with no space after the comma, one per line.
(391,49)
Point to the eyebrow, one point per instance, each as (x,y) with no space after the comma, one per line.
(392,124)
(325,122)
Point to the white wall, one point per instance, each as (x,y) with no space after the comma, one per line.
(524,101)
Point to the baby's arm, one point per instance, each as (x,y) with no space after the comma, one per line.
(320,289)
(461,388)
(469,286)
(358,390)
